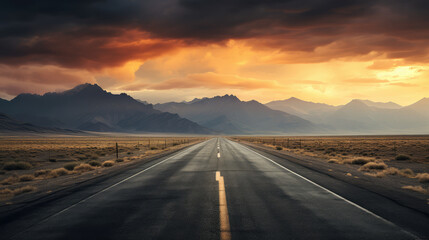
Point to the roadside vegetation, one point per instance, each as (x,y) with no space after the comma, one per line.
(28,164)
(393,157)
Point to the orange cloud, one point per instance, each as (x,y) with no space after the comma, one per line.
(207,80)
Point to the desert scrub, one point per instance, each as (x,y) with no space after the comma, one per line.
(94,163)
(70,166)
(373,166)
(419,189)
(9,166)
(423,177)
(24,189)
(5,194)
(26,178)
(108,163)
(9,180)
(83,167)
(333,160)
(279,148)
(41,172)
(119,160)
(58,172)
(358,161)
(402,157)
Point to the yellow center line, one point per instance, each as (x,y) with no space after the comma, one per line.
(225,230)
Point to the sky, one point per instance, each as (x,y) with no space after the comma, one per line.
(329,51)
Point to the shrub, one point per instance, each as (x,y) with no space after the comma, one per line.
(279,148)
(406,172)
(108,163)
(419,189)
(402,158)
(373,166)
(83,167)
(52,160)
(24,189)
(41,172)
(9,180)
(16,166)
(70,166)
(25,178)
(58,172)
(119,160)
(94,163)
(423,177)
(391,171)
(153,148)
(360,161)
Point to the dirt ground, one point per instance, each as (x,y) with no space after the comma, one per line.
(403,161)
(35,164)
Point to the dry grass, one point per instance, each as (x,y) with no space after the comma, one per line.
(358,161)
(24,189)
(9,166)
(94,163)
(108,163)
(83,167)
(70,166)
(419,189)
(54,157)
(385,148)
(9,181)
(26,178)
(423,177)
(373,166)
(58,172)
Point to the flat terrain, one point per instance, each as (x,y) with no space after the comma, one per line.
(401,160)
(217,189)
(42,164)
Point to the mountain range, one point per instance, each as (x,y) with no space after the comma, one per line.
(361,116)
(228,114)
(88,107)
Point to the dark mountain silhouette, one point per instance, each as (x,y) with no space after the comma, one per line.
(10,125)
(89,107)
(228,114)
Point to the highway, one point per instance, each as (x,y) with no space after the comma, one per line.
(217,189)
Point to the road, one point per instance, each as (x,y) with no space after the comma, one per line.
(217,189)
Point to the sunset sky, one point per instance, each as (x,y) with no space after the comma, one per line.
(328,51)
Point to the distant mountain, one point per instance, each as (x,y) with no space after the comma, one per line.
(307,110)
(89,107)
(385,105)
(358,117)
(9,125)
(422,107)
(229,115)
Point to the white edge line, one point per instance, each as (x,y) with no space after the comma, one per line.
(329,191)
(114,185)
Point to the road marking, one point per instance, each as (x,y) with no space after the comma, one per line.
(336,195)
(225,229)
(218,155)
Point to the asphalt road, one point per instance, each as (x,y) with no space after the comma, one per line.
(217,189)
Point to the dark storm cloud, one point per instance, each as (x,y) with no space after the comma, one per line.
(97,33)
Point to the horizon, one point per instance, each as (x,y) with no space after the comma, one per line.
(219,95)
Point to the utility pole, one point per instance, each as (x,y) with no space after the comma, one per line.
(117,151)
